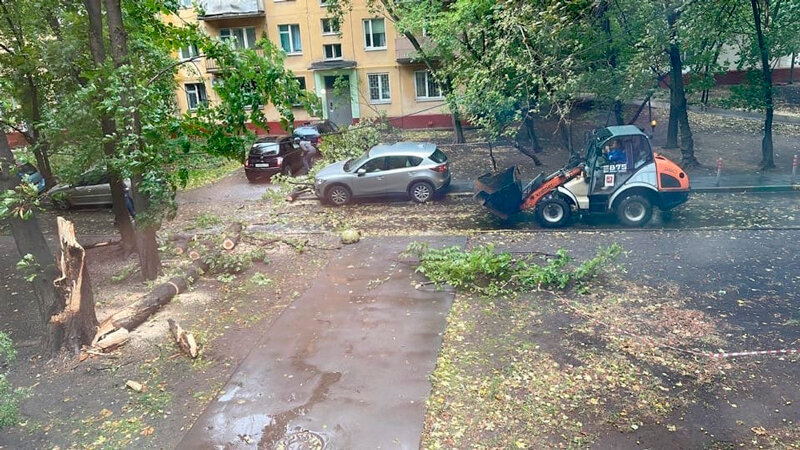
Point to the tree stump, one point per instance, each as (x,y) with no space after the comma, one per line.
(73,320)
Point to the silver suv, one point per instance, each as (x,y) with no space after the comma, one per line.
(418,169)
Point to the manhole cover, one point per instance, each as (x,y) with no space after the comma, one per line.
(300,440)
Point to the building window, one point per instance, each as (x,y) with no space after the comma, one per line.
(188,52)
(239,37)
(332,51)
(374,34)
(290,39)
(195,94)
(330,26)
(302,81)
(378,87)
(426,86)
(186,3)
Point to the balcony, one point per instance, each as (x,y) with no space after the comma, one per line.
(213,67)
(231,9)
(405,52)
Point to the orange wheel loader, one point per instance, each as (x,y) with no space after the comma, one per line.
(620,175)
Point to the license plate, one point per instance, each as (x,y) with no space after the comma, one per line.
(262,165)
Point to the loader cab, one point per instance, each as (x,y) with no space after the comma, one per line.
(613,156)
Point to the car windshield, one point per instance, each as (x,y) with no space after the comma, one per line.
(351,164)
(265,148)
(306,132)
(438,156)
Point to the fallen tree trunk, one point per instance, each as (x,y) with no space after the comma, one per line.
(184,340)
(135,314)
(232,235)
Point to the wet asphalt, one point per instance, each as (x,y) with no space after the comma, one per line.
(346,366)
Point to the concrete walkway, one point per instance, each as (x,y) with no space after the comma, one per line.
(347,365)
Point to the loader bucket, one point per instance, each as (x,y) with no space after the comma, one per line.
(500,193)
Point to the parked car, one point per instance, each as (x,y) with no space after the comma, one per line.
(419,170)
(92,188)
(28,172)
(273,155)
(313,132)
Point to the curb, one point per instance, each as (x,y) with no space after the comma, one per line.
(735,189)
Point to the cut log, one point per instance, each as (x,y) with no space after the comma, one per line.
(232,235)
(102,244)
(136,313)
(113,340)
(74,315)
(184,340)
(194,255)
(180,247)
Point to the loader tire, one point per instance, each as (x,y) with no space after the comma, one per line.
(634,211)
(552,212)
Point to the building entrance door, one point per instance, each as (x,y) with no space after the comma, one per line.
(338,106)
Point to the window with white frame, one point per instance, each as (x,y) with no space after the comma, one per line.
(302,81)
(379,87)
(188,52)
(239,37)
(426,86)
(332,51)
(330,26)
(195,94)
(290,39)
(374,34)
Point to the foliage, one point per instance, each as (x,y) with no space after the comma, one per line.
(228,263)
(29,267)
(259,279)
(484,271)
(20,202)
(9,397)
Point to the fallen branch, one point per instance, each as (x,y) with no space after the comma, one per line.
(102,244)
(184,340)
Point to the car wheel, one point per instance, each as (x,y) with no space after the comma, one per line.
(552,212)
(338,195)
(60,203)
(634,211)
(421,191)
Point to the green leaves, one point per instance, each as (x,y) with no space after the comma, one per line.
(481,270)
(20,202)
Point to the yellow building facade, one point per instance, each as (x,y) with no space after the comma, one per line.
(360,68)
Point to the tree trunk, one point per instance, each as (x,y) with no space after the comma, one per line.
(601,12)
(149,258)
(75,317)
(791,69)
(29,240)
(679,117)
(767,158)
(39,145)
(458,127)
(109,128)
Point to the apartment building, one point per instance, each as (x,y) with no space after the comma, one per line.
(371,61)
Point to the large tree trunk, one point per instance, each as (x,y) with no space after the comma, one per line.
(458,127)
(39,145)
(29,240)
(109,128)
(680,119)
(767,158)
(149,258)
(74,320)
(601,13)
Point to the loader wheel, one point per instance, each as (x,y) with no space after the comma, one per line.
(634,211)
(552,212)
